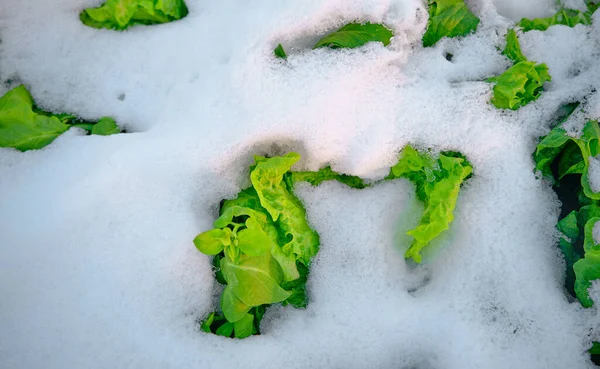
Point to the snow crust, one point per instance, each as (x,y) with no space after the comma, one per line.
(97,264)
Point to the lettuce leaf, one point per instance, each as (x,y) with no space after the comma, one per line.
(262,245)
(565,17)
(570,153)
(24,127)
(437,185)
(355,35)
(105,126)
(559,156)
(577,229)
(284,208)
(279,52)
(513,48)
(448,18)
(519,85)
(121,14)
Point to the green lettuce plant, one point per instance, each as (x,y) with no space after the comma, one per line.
(24,127)
(121,14)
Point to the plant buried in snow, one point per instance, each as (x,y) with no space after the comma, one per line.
(263,245)
(520,84)
(350,36)
(437,185)
(24,127)
(560,158)
(448,18)
(566,17)
(121,14)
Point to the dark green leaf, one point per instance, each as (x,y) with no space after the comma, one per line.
(327,174)
(355,35)
(595,350)
(298,298)
(279,52)
(206,323)
(226,330)
(565,17)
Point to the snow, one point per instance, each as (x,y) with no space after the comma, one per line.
(594,174)
(97,267)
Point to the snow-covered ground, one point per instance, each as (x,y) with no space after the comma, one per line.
(97,264)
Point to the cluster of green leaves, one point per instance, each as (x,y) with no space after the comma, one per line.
(565,160)
(263,245)
(448,18)
(437,184)
(565,17)
(349,36)
(520,84)
(25,127)
(120,14)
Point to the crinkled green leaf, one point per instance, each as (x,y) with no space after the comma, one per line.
(565,17)
(448,18)
(327,174)
(262,245)
(120,14)
(283,206)
(255,280)
(519,85)
(279,52)
(512,50)
(355,35)
(22,128)
(437,185)
(106,126)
